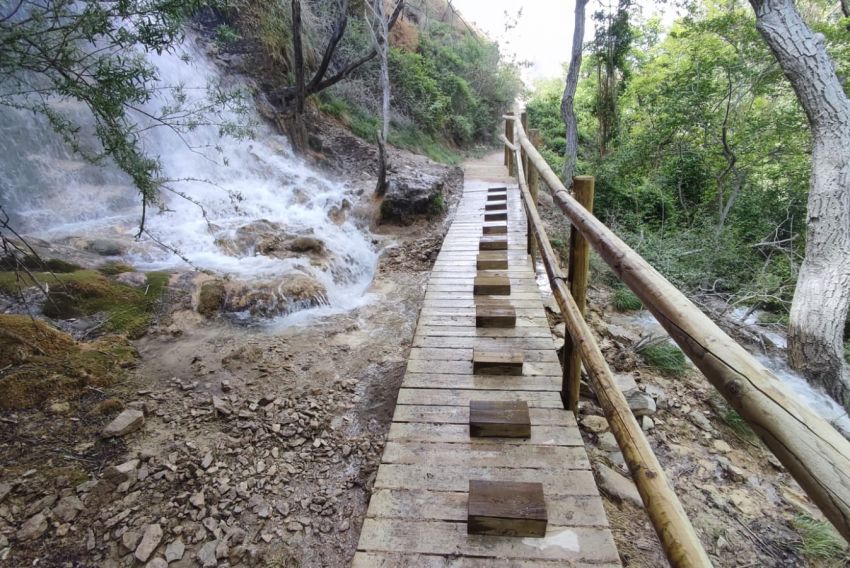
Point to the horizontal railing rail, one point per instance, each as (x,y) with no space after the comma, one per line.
(813,451)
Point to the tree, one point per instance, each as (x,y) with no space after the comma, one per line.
(568,114)
(822,296)
(93,53)
(380,35)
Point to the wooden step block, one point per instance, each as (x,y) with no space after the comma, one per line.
(496,206)
(507,363)
(496,229)
(496,189)
(499,419)
(497,197)
(491,286)
(492,260)
(506,508)
(493,243)
(496,216)
(495,315)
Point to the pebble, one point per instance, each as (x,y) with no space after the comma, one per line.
(68,508)
(150,540)
(197,500)
(33,528)
(174,551)
(593,423)
(206,555)
(616,486)
(130,540)
(157,563)
(128,421)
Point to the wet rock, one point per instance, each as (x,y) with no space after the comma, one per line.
(68,508)
(415,194)
(641,403)
(211,298)
(616,486)
(174,551)
(33,528)
(106,247)
(595,424)
(292,293)
(150,540)
(306,244)
(128,421)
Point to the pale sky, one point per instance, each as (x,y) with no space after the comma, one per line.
(543,35)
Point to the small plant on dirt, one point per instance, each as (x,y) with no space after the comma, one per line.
(819,540)
(664,357)
(731,418)
(624,300)
(438,205)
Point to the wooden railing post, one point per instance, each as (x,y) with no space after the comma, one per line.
(509,155)
(523,118)
(579,264)
(533,180)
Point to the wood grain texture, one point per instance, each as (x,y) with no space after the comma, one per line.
(493,419)
(506,508)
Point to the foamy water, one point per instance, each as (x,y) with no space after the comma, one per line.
(53,194)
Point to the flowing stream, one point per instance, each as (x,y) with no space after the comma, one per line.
(241,184)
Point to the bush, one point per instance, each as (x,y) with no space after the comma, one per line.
(819,540)
(666,358)
(624,300)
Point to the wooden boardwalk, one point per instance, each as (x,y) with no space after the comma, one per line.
(417,515)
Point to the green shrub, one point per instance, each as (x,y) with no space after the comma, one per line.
(624,300)
(819,540)
(666,358)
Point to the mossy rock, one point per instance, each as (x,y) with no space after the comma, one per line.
(43,363)
(87,292)
(31,262)
(211,298)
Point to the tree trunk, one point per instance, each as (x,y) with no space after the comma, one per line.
(381,37)
(822,296)
(568,114)
(299,131)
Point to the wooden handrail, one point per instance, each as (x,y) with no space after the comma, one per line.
(680,541)
(812,450)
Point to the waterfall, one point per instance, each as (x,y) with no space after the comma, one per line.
(241,184)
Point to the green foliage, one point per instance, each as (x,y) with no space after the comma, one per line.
(714,218)
(666,358)
(224,35)
(624,300)
(819,540)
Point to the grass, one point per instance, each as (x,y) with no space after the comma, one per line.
(624,300)
(666,358)
(87,292)
(819,540)
(731,418)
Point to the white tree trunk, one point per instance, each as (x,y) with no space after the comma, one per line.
(568,114)
(381,36)
(822,296)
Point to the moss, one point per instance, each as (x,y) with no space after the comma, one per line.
(31,262)
(666,358)
(211,298)
(87,292)
(114,267)
(43,363)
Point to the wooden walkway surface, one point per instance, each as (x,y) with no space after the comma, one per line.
(417,515)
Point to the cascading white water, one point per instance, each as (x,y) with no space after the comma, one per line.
(53,194)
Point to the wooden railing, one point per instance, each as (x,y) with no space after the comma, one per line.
(815,454)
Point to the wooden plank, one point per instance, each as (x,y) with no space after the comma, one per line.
(539,435)
(493,243)
(499,419)
(573,510)
(506,508)
(459,415)
(491,285)
(427,330)
(461,397)
(402,560)
(448,477)
(495,228)
(465,354)
(483,342)
(490,260)
(480,454)
(481,382)
(496,206)
(497,362)
(438,537)
(529,368)
(496,216)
